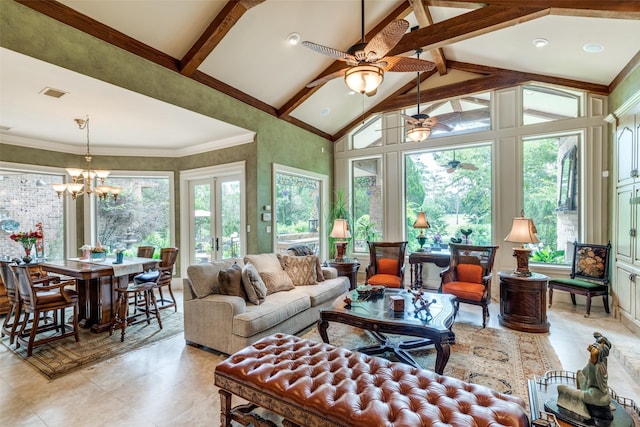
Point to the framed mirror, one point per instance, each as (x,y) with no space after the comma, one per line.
(568,181)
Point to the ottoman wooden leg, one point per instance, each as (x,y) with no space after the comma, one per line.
(225,408)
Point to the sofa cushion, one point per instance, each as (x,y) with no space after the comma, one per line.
(276,309)
(264,263)
(253,285)
(204,277)
(301,269)
(230,281)
(326,291)
(277,281)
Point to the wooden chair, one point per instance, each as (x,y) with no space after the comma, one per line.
(386,264)
(12,318)
(37,299)
(124,317)
(162,277)
(146,251)
(589,275)
(469,275)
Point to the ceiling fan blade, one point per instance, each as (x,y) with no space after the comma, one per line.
(468,166)
(451,170)
(442,126)
(430,121)
(405,64)
(329,51)
(410,119)
(324,79)
(386,39)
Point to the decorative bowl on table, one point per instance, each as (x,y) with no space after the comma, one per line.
(363,290)
(98,256)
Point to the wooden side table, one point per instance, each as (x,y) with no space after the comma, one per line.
(441,259)
(349,268)
(523,302)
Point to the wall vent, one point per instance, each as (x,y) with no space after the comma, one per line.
(54,93)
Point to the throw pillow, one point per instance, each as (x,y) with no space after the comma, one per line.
(301,269)
(264,262)
(204,277)
(230,281)
(253,285)
(387,266)
(277,281)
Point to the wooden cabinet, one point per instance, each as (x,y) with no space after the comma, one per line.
(626,272)
(523,302)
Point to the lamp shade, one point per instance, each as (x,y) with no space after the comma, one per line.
(364,78)
(418,133)
(340,229)
(421,221)
(522,231)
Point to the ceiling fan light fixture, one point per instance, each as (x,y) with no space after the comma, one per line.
(418,133)
(364,78)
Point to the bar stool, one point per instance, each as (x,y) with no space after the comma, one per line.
(123,318)
(162,277)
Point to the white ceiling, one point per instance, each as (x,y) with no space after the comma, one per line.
(255,58)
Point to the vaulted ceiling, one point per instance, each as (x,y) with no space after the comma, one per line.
(240,48)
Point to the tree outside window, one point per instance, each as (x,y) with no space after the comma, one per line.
(456,197)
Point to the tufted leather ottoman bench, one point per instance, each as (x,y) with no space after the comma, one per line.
(312,384)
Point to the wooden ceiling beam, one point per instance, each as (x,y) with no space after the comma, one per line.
(574,6)
(423,16)
(71,17)
(305,93)
(213,35)
(468,25)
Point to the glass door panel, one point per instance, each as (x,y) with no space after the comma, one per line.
(228,190)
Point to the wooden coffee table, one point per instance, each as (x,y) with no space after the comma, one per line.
(375,316)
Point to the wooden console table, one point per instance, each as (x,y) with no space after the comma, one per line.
(349,268)
(416,259)
(523,302)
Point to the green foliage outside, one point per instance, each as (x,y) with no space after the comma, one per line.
(451,201)
(140,215)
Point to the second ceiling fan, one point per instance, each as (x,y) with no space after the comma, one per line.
(367,62)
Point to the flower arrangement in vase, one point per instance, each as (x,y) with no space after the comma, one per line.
(27,239)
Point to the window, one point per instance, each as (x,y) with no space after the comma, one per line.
(471,113)
(368,135)
(368,212)
(546,104)
(140,215)
(550,181)
(27,198)
(453,188)
(298,215)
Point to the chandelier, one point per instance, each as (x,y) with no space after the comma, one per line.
(87,181)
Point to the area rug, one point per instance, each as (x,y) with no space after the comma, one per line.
(500,359)
(61,357)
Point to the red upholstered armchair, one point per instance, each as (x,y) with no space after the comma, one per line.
(468,276)
(386,264)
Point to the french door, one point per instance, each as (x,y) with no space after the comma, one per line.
(215,217)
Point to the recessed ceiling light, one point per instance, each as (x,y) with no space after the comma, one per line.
(539,42)
(293,39)
(325,111)
(593,48)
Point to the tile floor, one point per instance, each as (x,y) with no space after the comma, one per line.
(171,384)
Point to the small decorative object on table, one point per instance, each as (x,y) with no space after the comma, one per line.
(420,303)
(119,256)
(588,402)
(396,303)
(98,253)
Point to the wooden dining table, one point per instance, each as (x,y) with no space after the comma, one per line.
(96,284)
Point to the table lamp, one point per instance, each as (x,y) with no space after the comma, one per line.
(340,232)
(522,231)
(422,224)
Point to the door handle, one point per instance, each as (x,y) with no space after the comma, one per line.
(217,245)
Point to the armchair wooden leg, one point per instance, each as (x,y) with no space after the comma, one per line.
(550,297)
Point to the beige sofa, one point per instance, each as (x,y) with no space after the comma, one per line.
(228,323)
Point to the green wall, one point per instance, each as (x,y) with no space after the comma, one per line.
(28,32)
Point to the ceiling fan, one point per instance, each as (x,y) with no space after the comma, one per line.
(367,62)
(454,164)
